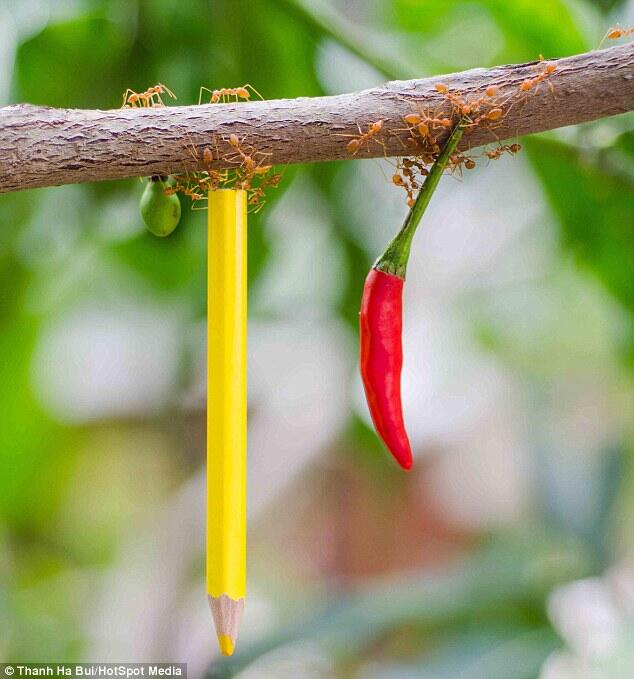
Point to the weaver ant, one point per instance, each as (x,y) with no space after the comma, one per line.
(149,99)
(229,94)
(459,160)
(491,115)
(422,122)
(251,170)
(409,174)
(496,153)
(615,33)
(533,83)
(356,142)
(421,126)
(249,164)
(466,108)
(470,109)
(408,184)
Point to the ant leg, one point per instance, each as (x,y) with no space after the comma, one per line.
(200,94)
(250,87)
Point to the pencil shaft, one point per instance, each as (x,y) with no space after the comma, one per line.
(226,410)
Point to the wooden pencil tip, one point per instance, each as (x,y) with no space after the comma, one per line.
(226,644)
(227,613)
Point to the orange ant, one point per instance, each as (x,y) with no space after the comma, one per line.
(420,125)
(491,115)
(251,166)
(229,94)
(356,142)
(148,99)
(496,153)
(408,175)
(405,182)
(459,160)
(533,83)
(413,166)
(248,173)
(423,121)
(251,170)
(615,33)
(467,108)
(461,107)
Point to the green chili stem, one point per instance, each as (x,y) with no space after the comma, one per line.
(396,255)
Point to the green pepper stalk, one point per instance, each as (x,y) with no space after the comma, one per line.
(396,255)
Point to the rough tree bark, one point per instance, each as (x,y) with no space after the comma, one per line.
(42,146)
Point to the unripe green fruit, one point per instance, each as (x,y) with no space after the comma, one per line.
(160,213)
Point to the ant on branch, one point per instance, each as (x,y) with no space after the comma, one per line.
(467,108)
(249,171)
(227,95)
(250,166)
(422,127)
(485,108)
(533,83)
(362,138)
(151,98)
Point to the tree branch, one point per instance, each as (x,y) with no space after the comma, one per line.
(42,146)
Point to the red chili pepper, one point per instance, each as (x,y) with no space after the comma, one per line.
(382,359)
(381,320)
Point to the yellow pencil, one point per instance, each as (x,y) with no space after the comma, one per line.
(226,411)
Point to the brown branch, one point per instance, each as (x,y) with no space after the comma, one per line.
(42,146)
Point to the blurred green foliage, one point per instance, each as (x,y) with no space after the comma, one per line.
(85,56)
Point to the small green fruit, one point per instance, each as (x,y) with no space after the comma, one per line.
(161,213)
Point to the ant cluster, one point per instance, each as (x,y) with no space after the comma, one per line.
(249,171)
(427,129)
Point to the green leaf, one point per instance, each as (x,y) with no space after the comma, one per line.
(595,209)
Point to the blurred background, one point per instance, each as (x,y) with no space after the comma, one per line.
(508,551)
